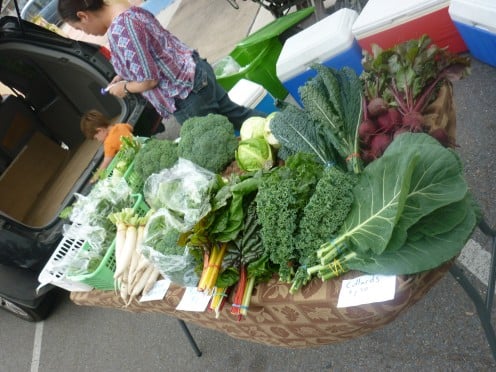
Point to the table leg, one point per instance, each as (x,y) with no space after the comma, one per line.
(190,337)
(483,307)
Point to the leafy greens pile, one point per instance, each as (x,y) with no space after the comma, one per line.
(412,212)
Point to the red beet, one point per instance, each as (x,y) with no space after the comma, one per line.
(414,121)
(389,121)
(366,130)
(376,107)
(378,144)
(442,136)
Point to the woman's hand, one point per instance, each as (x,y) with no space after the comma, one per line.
(118,89)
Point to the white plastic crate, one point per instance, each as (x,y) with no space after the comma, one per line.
(54,273)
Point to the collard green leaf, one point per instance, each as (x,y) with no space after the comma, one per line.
(379,199)
(422,254)
(437,180)
(440,221)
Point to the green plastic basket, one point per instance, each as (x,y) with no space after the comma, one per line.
(133,179)
(103,277)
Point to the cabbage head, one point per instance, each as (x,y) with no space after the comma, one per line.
(253,127)
(254,154)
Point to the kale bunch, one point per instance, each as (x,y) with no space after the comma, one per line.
(281,199)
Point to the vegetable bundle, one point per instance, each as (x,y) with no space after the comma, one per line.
(134,274)
(399,83)
(412,212)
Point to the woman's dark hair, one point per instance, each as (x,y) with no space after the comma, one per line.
(68,8)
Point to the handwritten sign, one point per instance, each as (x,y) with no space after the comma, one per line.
(367,289)
(193,300)
(157,292)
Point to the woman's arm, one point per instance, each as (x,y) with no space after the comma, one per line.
(124,87)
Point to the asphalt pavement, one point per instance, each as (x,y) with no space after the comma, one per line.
(441,332)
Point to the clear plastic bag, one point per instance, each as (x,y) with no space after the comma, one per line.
(160,247)
(184,190)
(106,196)
(226,66)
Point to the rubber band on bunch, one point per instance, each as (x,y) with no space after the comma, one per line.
(239,306)
(220,294)
(336,267)
(351,156)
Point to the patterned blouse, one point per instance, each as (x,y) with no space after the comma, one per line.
(141,49)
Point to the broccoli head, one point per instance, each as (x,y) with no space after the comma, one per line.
(154,156)
(208,141)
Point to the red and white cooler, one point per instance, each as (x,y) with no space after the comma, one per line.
(387,23)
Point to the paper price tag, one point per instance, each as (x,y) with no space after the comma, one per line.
(157,292)
(193,300)
(367,289)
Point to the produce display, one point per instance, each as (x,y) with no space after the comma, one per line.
(356,179)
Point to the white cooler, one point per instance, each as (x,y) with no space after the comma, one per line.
(387,23)
(250,94)
(329,42)
(476,22)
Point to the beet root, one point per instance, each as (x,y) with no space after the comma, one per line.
(414,121)
(390,120)
(376,107)
(378,144)
(442,136)
(366,130)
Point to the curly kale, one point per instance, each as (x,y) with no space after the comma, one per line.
(208,141)
(322,217)
(281,198)
(154,156)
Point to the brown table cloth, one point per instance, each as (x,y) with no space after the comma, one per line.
(275,317)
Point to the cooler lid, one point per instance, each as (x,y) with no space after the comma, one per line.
(277,27)
(379,15)
(247,93)
(317,43)
(477,13)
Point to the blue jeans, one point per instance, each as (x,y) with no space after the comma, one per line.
(208,96)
